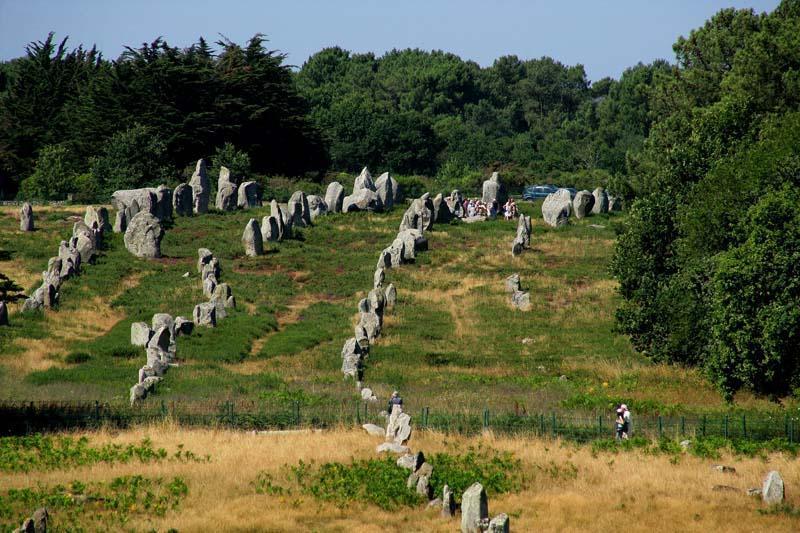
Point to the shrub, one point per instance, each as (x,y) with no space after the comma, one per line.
(75,358)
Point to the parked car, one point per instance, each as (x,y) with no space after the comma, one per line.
(534,192)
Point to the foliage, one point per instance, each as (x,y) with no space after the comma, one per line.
(9,290)
(498,472)
(54,175)
(236,161)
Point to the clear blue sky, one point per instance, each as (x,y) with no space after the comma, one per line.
(605,36)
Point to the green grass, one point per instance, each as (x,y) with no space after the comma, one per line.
(453,343)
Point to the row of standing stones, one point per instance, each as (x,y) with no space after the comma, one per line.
(560,205)
(159,340)
(418,218)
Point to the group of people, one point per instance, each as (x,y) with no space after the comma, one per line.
(474,207)
(623,422)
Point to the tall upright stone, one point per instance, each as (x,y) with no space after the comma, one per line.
(583,204)
(494,189)
(26,217)
(252,240)
(226,197)
(284,222)
(600,201)
(121,220)
(316,206)
(97,218)
(201,187)
(182,200)
(299,210)
(557,208)
(772,489)
(270,230)
(249,195)
(474,509)
(385,186)
(334,196)
(163,202)
(364,181)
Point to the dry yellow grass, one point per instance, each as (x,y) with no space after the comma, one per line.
(629,491)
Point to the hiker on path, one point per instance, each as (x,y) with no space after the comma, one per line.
(619,423)
(626,417)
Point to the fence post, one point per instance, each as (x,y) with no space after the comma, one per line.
(725,422)
(599,425)
(683,426)
(485,419)
(744,426)
(660,427)
(97,411)
(704,425)
(791,431)
(555,430)
(358,413)
(297,412)
(425,412)
(786,425)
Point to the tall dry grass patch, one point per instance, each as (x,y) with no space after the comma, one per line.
(566,488)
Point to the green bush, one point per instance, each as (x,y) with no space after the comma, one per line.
(54,176)
(75,358)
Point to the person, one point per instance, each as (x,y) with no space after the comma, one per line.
(626,418)
(508,209)
(395,408)
(620,423)
(471,208)
(492,209)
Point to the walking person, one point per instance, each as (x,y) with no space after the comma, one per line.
(395,408)
(619,423)
(626,419)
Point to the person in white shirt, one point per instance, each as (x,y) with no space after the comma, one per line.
(626,416)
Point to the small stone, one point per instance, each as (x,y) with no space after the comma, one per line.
(754,492)
(499,524)
(724,469)
(391,447)
(374,430)
(724,488)
(26,217)
(252,239)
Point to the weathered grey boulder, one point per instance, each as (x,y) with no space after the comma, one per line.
(138,393)
(3,314)
(361,200)
(270,230)
(163,202)
(521,300)
(183,326)
(385,186)
(557,208)
(137,200)
(205,314)
(140,334)
(423,487)
(226,197)
(161,339)
(367,395)
(413,241)
(524,230)
(164,320)
(204,257)
(391,296)
(441,210)
(97,218)
(424,208)
(143,236)
(352,358)
(493,189)
(378,278)
(499,524)
(53,273)
(334,196)
(284,222)
(201,188)
(222,300)
(474,509)
(402,429)
(85,240)
(513,283)
(121,221)
(371,323)
(448,502)
(456,203)
(411,461)
(299,209)
(364,181)
(517,246)
(583,204)
(249,195)
(316,206)
(391,447)
(772,489)
(252,240)
(614,203)
(49,295)
(182,200)
(600,201)
(361,336)
(375,431)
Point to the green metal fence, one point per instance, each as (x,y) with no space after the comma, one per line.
(19,418)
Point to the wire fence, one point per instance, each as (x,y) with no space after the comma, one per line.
(21,418)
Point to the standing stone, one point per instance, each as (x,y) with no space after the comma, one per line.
(352,358)
(364,181)
(378,278)
(391,296)
(334,196)
(251,239)
(316,206)
(521,300)
(441,210)
(121,220)
(205,314)
(493,189)
(513,283)
(448,502)
(600,201)
(183,326)
(140,334)
(84,240)
(143,199)
(614,203)
(249,195)
(201,188)
(474,509)
(164,320)
(3,314)
(163,202)
(26,217)
(557,208)
(138,393)
(284,229)
(583,204)
(226,197)
(143,236)
(524,229)
(361,200)
(499,524)
(270,230)
(97,218)
(299,210)
(182,200)
(385,186)
(772,489)
(204,257)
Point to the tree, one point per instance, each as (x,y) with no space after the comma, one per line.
(54,175)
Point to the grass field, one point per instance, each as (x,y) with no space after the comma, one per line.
(452,343)
(221,480)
